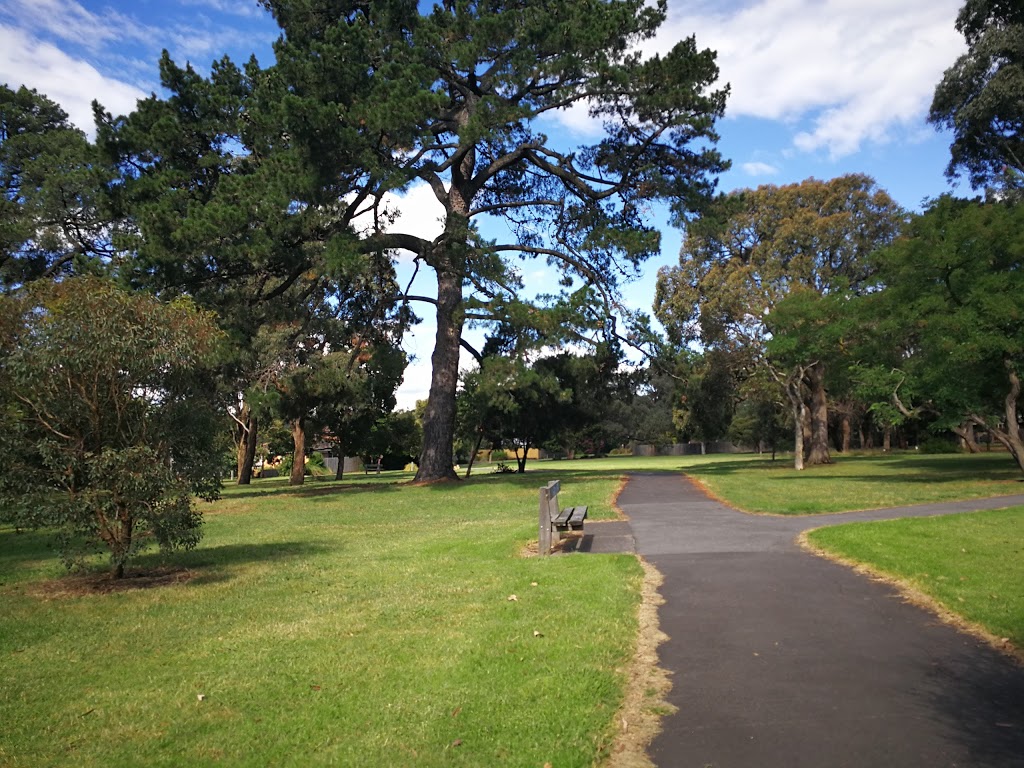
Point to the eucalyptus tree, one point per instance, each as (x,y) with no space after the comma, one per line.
(106,421)
(952,302)
(981,97)
(765,274)
(459,96)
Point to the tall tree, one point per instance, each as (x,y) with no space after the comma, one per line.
(952,302)
(229,208)
(981,97)
(809,241)
(456,97)
(53,220)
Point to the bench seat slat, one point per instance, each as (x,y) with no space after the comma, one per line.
(562,519)
(576,517)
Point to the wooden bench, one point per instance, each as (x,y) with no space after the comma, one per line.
(553,520)
(373,466)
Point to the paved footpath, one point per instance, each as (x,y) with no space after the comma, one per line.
(782,659)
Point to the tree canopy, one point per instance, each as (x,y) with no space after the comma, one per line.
(979,98)
(952,305)
(457,98)
(760,278)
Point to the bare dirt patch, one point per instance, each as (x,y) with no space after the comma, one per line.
(645,705)
(85,584)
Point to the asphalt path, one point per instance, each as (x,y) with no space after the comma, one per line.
(781,658)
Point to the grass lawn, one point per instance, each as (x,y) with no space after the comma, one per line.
(360,623)
(758,484)
(971,564)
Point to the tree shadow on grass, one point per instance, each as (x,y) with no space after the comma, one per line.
(276,487)
(203,565)
(228,555)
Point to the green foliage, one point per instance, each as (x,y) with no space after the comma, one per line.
(107,427)
(766,278)
(951,305)
(397,437)
(453,97)
(52,214)
(937,444)
(981,97)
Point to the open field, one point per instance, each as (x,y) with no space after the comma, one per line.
(972,565)
(856,482)
(366,624)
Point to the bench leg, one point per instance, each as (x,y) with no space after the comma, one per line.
(544,528)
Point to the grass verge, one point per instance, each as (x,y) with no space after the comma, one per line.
(857,482)
(360,623)
(970,566)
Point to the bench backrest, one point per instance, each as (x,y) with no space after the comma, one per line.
(548,511)
(550,491)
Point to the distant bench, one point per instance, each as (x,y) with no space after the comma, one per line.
(553,520)
(373,466)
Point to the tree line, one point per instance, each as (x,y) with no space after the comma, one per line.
(227,250)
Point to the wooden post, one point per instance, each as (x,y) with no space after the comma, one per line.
(544,525)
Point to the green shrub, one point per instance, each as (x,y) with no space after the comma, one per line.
(938,444)
(499,455)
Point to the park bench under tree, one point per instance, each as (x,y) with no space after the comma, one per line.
(553,521)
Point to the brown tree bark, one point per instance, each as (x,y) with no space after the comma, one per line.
(246,433)
(967,438)
(1010,437)
(847,431)
(439,418)
(298,475)
(339,449)
(817,452)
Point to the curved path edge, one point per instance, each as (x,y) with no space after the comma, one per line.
(782,658)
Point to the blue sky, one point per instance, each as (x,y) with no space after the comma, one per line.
(818,87)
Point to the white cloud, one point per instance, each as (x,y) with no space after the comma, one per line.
(758,168)
(859,70)
(71,22)
(70,82)
(417,212)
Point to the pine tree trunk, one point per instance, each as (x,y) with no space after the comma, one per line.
(439,418)
(847,433)
(818,449)
(298,475)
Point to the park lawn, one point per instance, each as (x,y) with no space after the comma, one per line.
(757,484)
(362,623)
(972,564)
